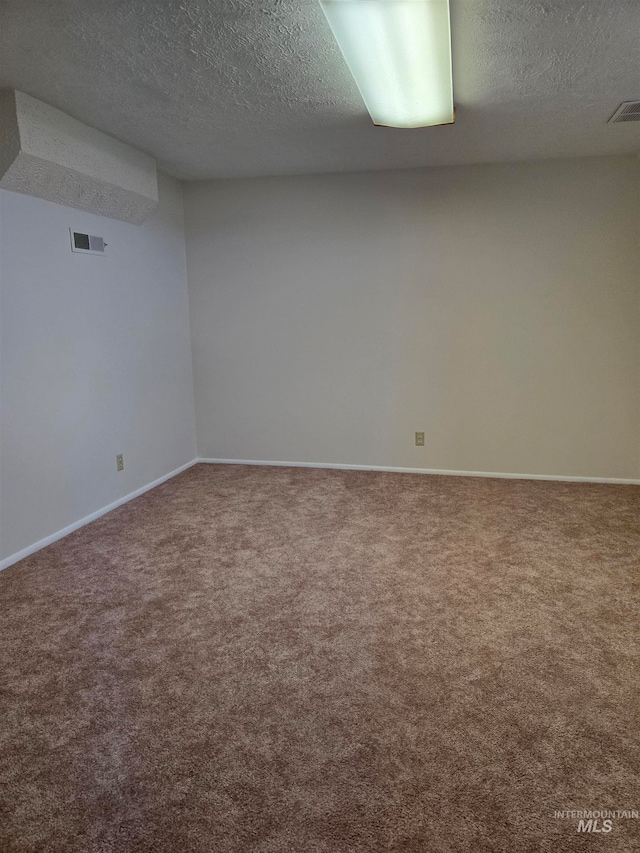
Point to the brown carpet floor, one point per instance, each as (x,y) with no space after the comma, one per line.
(279,660)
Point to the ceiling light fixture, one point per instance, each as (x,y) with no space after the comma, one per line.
(399,52)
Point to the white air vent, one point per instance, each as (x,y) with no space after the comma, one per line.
(628,111)
(87,244)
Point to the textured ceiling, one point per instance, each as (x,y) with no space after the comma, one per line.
(258,87)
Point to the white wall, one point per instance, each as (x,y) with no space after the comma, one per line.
(497,308)
(95,360)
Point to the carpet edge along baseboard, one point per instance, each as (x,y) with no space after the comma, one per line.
(87,519)
(65,531)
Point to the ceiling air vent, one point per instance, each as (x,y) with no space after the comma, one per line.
(628,111)
(87,244)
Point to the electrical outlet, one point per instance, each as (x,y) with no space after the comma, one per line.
(119,462)
(419,439)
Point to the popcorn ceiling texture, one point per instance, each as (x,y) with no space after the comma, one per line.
(218,89)
(9,131)
(47,154)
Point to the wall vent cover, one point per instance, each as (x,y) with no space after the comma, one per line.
(628,111)
(87,244)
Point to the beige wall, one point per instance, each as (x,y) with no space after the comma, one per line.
(95,360)
(497,308)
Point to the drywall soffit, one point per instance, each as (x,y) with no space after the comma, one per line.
(48,154)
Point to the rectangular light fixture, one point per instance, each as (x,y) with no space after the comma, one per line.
(399,52)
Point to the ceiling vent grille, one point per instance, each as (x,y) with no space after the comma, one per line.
(628,111)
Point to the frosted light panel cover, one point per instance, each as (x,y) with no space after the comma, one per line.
(399,52)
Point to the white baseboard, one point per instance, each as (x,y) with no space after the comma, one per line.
(439,471)
(48,540)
